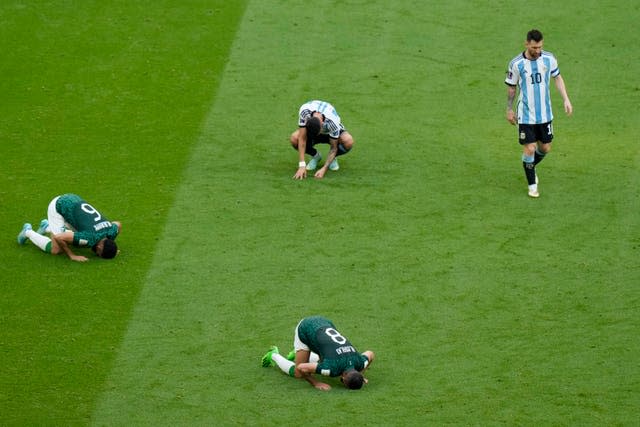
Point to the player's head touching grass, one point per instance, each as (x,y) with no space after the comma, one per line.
(352,379)
(106,248)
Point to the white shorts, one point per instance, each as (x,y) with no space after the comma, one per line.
(297,343)
(57,224)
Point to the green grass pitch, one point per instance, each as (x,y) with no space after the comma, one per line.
(484,307)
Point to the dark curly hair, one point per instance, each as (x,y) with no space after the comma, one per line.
(353,379)
(313,126)
(534,35)
(109,249)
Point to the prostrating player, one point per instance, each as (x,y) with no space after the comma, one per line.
(531,72)
(319,123)
(321,349)
(73,221)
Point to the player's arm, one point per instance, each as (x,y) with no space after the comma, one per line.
(306,371)
(301,173)
(333,152)
(61,243)
(369,355)
(511,96)
(568,108)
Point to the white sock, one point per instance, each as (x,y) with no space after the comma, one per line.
(38,239)
(313,357)
(533,187)
(283,363)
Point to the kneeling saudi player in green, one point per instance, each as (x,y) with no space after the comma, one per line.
(71,221)
(321,349)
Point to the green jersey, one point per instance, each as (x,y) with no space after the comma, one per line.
(90,225)
(336,352)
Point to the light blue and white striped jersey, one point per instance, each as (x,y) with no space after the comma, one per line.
(332,124)
(533,79)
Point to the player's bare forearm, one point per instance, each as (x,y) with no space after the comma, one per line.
(315,383)
(561,87)
(301,173)
(306,368)
(302,143)
(511,95)
(302,147)
(67,250)
(61,242)
(568,108)
(331,155)
(370,355)
(305,371)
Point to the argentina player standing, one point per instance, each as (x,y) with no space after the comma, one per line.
(531,73)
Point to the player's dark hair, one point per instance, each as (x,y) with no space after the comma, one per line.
(109,249)
(353,379)
(534,35)
(313,127)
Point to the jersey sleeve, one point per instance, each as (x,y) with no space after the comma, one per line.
(555,70)
(334,367)
(82,238)
(303,116)
(513,76)
(324,369)
(365,362)
(113,232)
(90,238)
(333,129)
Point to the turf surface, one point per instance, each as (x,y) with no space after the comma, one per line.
(483,307)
